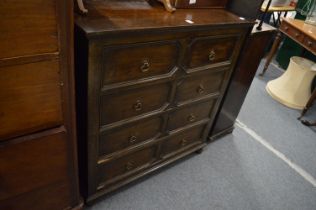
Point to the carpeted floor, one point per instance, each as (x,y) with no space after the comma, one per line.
(278,124)
(236,172)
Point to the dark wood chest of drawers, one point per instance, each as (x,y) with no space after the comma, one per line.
(148,87)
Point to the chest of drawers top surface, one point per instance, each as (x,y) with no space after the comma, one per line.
(116,16)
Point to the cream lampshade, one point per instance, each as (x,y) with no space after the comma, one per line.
(293,88)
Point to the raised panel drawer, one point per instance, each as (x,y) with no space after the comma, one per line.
(28,27)
(199,85)
(129,136)
(190,114)
(119,168)
(33,164)
(211,50)
(30,98)
(134,102)
(183,140)
(51,197)
(139,61)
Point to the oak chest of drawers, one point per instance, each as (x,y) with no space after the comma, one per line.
(148,86)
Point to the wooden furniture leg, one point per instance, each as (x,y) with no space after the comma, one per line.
(307,123)
(272,52)
(306,108)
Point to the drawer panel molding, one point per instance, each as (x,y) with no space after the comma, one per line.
(139,62)
(181,141)
(32,90)
(190,114)
(129,136)
(200,85)
(114,170)
(208,52)
(40,161)
(132,103)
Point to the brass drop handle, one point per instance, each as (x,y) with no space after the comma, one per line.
(200,89)
(309,43)
(129,166)
(138,106)
(184,142)
(212,55)
(297,35)
(145,66)
(132,139)
(286,28)
(191,118)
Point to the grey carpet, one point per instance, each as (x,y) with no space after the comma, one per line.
(235,172)
(278,124)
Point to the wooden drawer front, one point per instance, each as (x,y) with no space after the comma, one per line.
(116,169)
(32,164)
(198,86)
(122,138)
(180,141)
(206,51)
(30,98)
(28,27)
(139,61)
(292,32)
(190,114)
(310,43)
(51,197)
(133,102)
